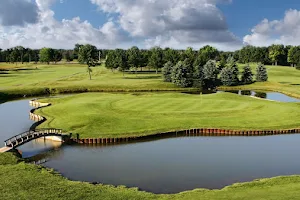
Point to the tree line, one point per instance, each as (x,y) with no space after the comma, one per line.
(210,75)
(156,57)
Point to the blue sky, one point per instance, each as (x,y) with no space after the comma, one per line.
(225,24)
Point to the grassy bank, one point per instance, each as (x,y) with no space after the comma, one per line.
(25,181)
(39,79)
(96,115)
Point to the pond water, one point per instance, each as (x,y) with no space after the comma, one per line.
(275,96)
(178,164)
(14,119)
(162,166)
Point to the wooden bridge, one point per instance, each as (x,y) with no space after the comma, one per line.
(27,136)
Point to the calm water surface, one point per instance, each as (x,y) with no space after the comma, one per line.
(162,166)
(178,164)
(14,119)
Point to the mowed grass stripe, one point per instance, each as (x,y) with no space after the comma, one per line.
(103,114)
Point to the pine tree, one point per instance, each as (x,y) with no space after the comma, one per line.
(166,71)
(182,75)
(247,75)
(227,77)
(261,73)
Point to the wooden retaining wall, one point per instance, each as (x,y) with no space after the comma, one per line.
(187,133)
(37,105)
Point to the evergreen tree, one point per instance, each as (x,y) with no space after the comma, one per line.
(166,71)
(247,75)
(261,73)
(198,76)
(181,74)
(210,72)
(227,77)
(222,64)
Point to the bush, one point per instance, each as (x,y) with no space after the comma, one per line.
(298,66)
(166,71)
(247,75)
(261,73)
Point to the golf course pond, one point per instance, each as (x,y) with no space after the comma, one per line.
(167,165)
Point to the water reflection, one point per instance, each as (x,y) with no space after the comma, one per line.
(14,117)
(184,163)
(275,96)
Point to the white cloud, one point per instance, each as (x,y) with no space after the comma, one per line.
(59,34)
(173,23)
(285,31)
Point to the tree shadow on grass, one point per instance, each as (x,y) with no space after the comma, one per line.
(143,77)
(295,84)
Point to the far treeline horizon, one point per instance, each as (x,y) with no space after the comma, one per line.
(275,54)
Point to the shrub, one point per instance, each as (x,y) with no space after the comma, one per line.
(166,71)
(261,73)
(298,66)
(247,75)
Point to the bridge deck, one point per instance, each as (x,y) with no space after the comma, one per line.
(5,149)
(25,137)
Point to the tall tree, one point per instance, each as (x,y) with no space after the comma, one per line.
(121,60)
(167,71)
(261,73)
(226,76)
(87,52)
(181,74)
(46,55)
(21,51)
(210,72)
(156,58)
(275,52)
(57,56)
(134,57)
(88,55)
(110,61)
(247,75)
(293,55)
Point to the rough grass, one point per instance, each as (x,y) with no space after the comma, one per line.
(115,115)
(27,181)
(72,78)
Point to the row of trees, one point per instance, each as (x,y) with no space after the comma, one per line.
(275,55)
(46,55)
(156,56)
(210,75)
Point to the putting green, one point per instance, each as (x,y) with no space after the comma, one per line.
(96,115)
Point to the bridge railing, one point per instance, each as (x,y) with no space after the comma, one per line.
(44,132)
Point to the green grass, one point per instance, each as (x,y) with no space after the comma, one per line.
(71,78)
(115,115)
(281,79)
(27,181)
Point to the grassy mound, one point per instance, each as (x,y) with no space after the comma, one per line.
(115,115)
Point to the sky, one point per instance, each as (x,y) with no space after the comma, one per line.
(225,24)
